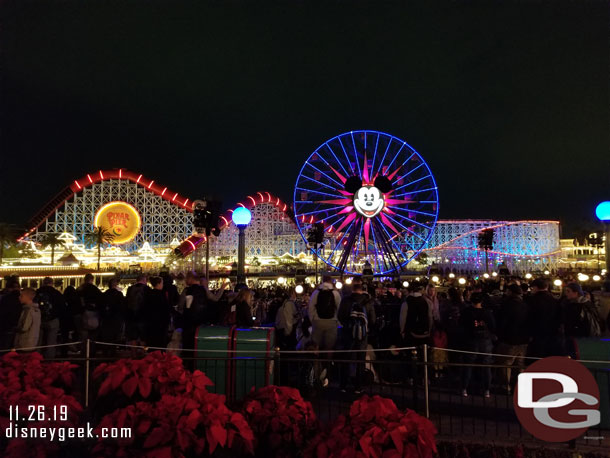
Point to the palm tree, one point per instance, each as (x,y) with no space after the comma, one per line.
(7,236)
(51,239)
(98,237)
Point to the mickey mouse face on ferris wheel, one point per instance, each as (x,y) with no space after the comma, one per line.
(368,200)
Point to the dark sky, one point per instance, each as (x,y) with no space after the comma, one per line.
(507,101)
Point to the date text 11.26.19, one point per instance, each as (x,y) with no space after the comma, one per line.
(38,413)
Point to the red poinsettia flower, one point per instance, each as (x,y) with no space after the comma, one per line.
(26,380)
(176,426)
(375,427)
(280,418)
(149,378)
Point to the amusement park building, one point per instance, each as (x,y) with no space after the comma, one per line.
(165,220)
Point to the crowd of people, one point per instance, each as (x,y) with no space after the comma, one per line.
(498,321)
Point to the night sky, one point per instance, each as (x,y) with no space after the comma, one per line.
(507,101)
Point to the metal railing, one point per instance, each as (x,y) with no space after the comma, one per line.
(332,380)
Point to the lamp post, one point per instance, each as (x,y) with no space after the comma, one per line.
(241,218)
(603,214)
(315,237)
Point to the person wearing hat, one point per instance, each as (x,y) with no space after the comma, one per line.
(513,332)
(578,312)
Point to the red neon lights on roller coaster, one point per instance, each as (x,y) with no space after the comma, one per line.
(102,175)
(252,199)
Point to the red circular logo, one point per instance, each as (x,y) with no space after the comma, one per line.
(557,399)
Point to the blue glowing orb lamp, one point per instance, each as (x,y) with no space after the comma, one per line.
(603,212)
(241,216)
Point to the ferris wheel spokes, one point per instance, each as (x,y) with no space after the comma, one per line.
(362,185)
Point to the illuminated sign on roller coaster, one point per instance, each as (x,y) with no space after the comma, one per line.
(119,218)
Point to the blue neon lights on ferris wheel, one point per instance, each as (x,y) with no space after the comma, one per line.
(367,154)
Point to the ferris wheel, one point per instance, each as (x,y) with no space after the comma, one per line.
(375,196)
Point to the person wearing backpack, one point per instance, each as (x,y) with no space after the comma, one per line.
(479,331)
(356,314)
(415,318)
(134,320)
(52,307)
(91,301)
(323,306)
(415,324)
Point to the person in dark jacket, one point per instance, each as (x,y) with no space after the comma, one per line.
(113,315)
(212,312)
(10,311)
(545,321)
(52,308)
(134,319)
(91,300)
(242,308)
(157,314)
(479,328)
(357,307)
(513,331)
(415,318)
(415,324)
(574,317)
(73,315)
(173,298)
(193,302)
(451,310)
